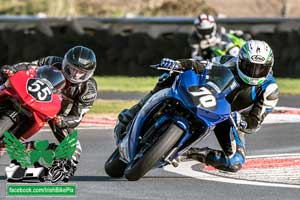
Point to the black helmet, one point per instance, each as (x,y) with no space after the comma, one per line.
(53,76)
(79,64)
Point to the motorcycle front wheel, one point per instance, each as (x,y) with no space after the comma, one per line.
(159,149)
(114,167)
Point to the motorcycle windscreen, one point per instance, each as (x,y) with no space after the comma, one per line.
(35,94)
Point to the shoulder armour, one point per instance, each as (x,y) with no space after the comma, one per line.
(271,95)
(51,60)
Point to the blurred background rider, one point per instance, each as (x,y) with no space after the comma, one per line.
(208,41)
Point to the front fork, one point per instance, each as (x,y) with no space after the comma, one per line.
(176,152)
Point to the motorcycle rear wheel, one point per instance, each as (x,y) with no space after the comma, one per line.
(162,146)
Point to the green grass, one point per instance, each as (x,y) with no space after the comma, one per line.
(287,86)
(125,84)
(110,106)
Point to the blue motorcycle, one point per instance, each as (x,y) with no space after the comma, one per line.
(172,121)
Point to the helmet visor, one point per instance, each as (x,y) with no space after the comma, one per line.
(205,32)
(76,75)
(254,70)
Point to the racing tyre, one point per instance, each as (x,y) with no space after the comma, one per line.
(114,167)
(162,146)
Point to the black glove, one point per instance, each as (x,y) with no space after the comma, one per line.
(7,70)
(197,65)
(59,121)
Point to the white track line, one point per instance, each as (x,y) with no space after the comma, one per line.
(281,118)
(275,155)
(185,168)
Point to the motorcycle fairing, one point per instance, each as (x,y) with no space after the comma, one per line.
(178,92)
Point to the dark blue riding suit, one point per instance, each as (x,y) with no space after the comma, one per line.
(252,102)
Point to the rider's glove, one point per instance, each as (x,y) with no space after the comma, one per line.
(239,122)
(170,64)
(59,121)
(7,70)
(195,64)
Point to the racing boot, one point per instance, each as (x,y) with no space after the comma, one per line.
(217,158)
(232,156)
(127,115)
(231,163)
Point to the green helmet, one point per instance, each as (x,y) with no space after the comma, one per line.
(255,62)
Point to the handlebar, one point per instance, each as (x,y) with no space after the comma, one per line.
(158,66)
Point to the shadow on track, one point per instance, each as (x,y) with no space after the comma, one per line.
(87,178)
(96,178)
(107,178)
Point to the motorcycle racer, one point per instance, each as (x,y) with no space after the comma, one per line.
(78,66)
(207,42)
(256,96)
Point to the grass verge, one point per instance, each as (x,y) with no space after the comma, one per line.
(287,86)
(110,106)
(125,83)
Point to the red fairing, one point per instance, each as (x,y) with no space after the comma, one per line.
(32,96)
(44,109)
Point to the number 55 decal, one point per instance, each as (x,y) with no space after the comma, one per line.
(204,96)
(39,90)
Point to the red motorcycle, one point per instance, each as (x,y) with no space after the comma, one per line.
(28,99)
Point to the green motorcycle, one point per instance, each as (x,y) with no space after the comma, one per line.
(230,46)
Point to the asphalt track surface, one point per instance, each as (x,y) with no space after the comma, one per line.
(98,143)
